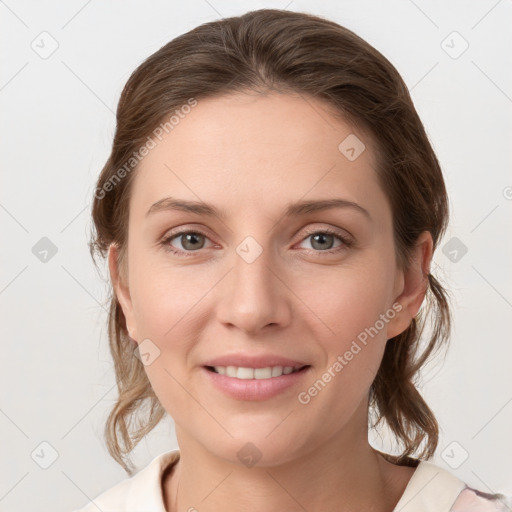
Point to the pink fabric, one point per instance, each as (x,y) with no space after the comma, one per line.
(471,500)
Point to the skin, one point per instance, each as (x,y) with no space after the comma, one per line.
(251,155)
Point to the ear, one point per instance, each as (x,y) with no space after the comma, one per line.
(412,285)
(120,283)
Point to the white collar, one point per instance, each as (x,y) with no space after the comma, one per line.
(430,489)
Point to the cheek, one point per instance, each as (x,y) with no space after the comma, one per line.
(167,308)
(345,301)
(165,298)
(351,356)
(348,315)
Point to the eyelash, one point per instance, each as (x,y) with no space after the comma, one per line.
(346,242)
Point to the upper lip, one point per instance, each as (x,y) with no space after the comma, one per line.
(245,361)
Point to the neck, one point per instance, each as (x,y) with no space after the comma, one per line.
(343,476)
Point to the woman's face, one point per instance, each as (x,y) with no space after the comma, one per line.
(262,277)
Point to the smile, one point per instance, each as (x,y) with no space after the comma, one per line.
(239,372)
(243,383)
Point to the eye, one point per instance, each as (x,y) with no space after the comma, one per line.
(323,241)
(190,241)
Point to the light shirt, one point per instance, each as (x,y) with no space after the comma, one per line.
(430,489)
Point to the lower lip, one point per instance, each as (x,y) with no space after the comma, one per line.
(255,389)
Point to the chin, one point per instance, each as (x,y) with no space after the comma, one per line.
(256,447)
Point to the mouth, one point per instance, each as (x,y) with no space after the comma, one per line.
(244,373)
(257,384)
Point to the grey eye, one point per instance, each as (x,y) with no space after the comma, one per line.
(322,241)
(191,241)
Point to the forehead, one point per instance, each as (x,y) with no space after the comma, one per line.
(253,150)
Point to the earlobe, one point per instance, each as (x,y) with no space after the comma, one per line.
(120,286)
(414,287)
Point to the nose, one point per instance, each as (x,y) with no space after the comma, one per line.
(254,295)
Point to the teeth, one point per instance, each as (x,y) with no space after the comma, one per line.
(254,373)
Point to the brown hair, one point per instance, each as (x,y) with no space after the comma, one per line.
(285,51)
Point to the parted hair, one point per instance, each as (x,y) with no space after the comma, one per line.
(277,50)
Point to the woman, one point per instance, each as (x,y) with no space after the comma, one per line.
(241,148)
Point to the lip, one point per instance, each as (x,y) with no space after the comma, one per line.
(254,389)
(261,361)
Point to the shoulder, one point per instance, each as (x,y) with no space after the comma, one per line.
(434,489)
(473,500)
(141,491)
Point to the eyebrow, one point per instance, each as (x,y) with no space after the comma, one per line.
(293,209)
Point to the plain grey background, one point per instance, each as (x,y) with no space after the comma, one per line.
(63,66)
